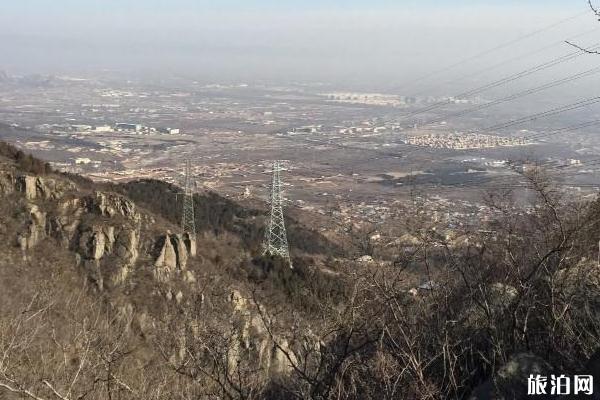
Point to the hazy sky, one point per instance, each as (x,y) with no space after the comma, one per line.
(330,40)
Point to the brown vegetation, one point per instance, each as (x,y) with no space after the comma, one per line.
(236,326)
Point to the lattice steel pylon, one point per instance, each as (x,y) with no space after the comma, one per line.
(188,223)
(276,242)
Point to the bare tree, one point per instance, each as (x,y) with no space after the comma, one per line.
(67,348)
(596,12)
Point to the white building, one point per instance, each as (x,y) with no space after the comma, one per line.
(128,127)
(103,128)
(169,131)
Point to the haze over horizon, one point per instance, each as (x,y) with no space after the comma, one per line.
(383,44)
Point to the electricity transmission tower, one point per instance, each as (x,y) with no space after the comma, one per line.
(188,224)
(276,243)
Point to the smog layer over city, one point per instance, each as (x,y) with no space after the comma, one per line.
(299,199)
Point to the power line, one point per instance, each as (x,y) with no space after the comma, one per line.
(536,116)
(511,78)
(504,182)
(539,135)
(508,79)
(515,96)
(548,165)
(552,112)
(498,47)
(511,59)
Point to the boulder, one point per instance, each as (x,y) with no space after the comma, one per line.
(35,228)
(510,382)
(580,279)
(280,364)
(111,205)
(181,250)
(99,241)
(65,223)
(70,206)
(189,277)
(173,254)
(253,340)
(96,241)
(366,259)
(239,303)
(126,246)
(167,257)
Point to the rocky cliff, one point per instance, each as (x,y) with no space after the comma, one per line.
(138,262)
(103,229)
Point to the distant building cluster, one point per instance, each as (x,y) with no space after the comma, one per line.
(362,129)
(307,129)
(380,99)
(457,141)
(139,128)
(118,127)
(374,99)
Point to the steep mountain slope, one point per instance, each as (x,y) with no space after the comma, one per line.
(101,298)
(73,251)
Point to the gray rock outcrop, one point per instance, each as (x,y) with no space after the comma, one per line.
(33,187)
(580,279)
(510,382)
(95,241)
(275,357)
(111,205)
(34,230)
(102,228)
(173,253)
(37,187)
(126,245)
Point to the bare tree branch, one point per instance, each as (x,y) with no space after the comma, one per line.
(594,9)
(60,396)
(596,12)
(588,51)
(20,391)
